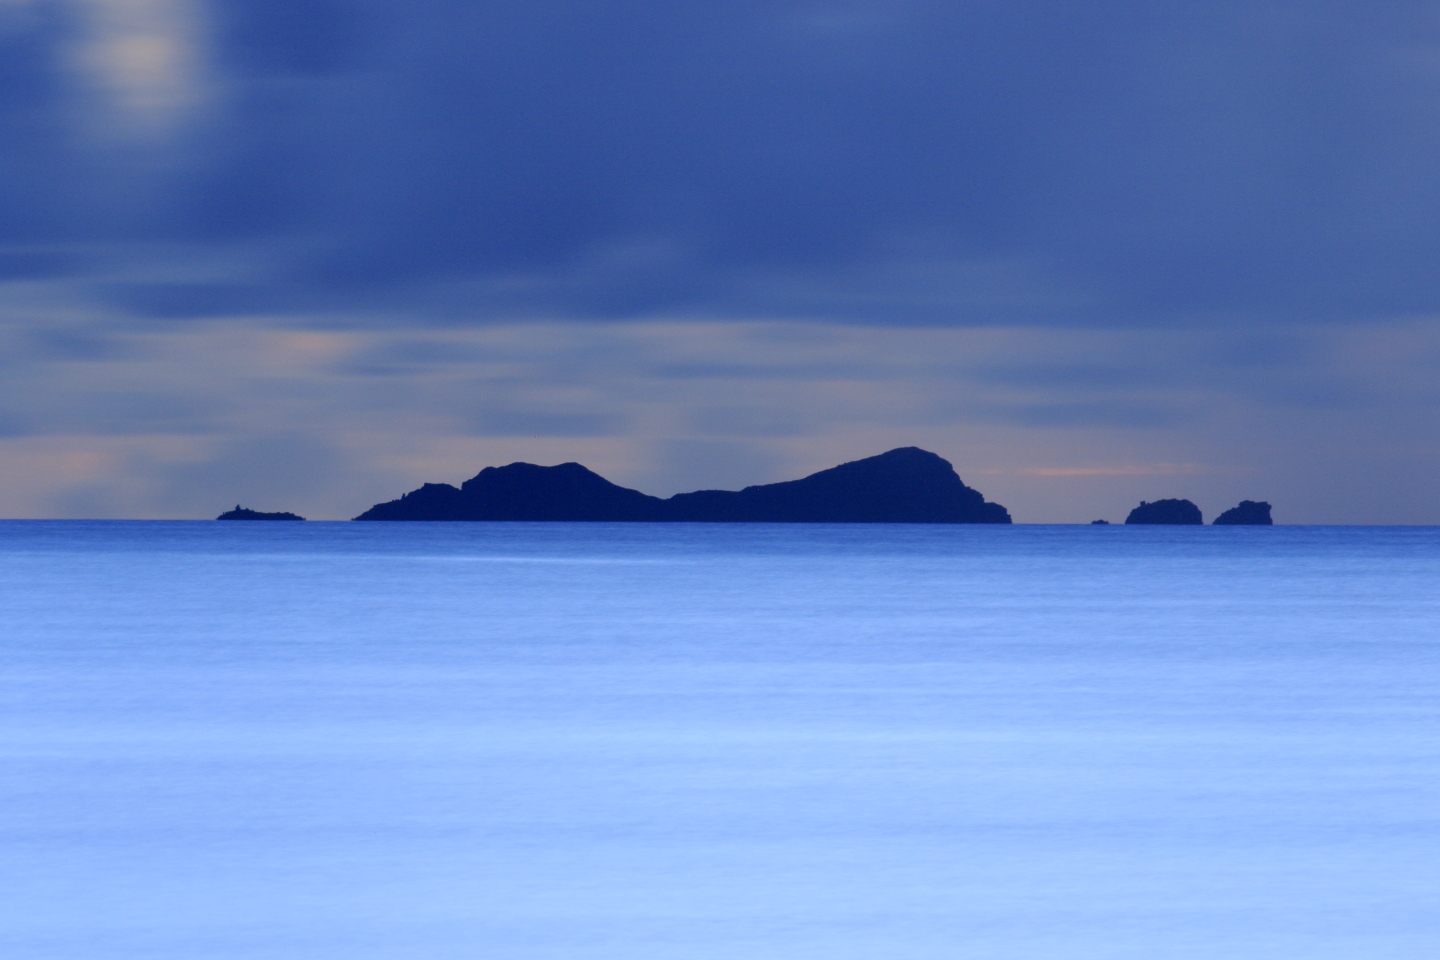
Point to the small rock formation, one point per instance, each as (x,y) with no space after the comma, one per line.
(240,513)
(906,485)
(1166,511)
(1249,512)
(1105,523)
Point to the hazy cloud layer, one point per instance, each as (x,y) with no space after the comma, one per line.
(1334,427)
(878,161)
(311,253)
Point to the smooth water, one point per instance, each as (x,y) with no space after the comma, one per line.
(287,741)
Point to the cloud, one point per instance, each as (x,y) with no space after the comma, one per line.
(142,61)
(539,423)
(37,264)
(1117,413)
(1127,470)
(182,420)
(879,163)
(749,421)
(730,242)
(160,301)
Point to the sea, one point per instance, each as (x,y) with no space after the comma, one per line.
(550,741)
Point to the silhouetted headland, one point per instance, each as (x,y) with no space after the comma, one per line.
(1166,511)
(240,513)
(906,485)
(1249,512)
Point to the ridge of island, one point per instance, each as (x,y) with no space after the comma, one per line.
(905,485)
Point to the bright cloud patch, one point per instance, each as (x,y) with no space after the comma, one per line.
(144,61)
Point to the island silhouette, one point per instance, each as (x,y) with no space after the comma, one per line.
(905,485)
(240,513)
(1183,512)
(1165,511)
(1249,513)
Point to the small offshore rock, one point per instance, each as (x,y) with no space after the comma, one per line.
(1101,522)
(240,513)
(1249,513)
(1166,511)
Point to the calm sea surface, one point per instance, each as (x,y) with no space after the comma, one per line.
(343,741)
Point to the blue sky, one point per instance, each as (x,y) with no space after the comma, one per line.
(307,255)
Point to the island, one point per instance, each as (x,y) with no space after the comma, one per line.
(1165,511)
(240,513)
(905,485)
(1248,513)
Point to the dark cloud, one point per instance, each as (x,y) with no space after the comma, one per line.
(1093,414)
(758,370)
(38,264)
(12,425)
(1077,377)
(181,301)
(394,357)
(1133,162)
(301,37)
(128,412)
(537,423)
(59,343)
(749,421)
(33,147)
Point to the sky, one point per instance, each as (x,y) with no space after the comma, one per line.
(308,254)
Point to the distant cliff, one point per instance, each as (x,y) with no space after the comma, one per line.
(240,513)
(1166,511)
(1248,513)
(907,485)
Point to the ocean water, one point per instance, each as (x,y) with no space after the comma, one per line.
(718,742)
